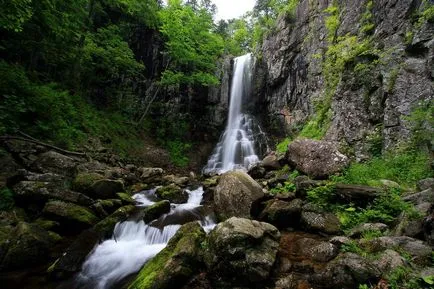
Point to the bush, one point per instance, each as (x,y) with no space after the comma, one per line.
(282,147)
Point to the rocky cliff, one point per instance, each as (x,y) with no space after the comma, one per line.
(352,71)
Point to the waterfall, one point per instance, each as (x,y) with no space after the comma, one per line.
(134,242)
(235,149)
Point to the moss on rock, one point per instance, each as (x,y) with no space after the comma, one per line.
(172,193)
(156,210)
(83,181)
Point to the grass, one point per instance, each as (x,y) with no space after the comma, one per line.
(282,147)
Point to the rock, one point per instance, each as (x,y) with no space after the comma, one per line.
(421,197)
(107,189)
(110,205)
(257,171)
(72,259)
(428,229)
(271,162)
(282,214)
(425,184)
(361,195)
(316,250)
(242,251)
(176,264)
(91,167)
(46,224)
(172,193)
(29,245)
(388,261)
(316,222)
(27,192)
(303,184)
(72,217)
(412,226)
(53,162)
(149,175)
(339,241)
(358,231)
(347,271)
(125,198)
(236,194)
(292,281)
(210,182)
(83,181)
(317,159)
(179,181)
(156,210)
(420,252)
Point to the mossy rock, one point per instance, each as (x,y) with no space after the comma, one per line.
(46,224)
(106,226)
(29,245)
(156,210)
(83,181)
(107,189)
(125,198)
(172,193)
(110,205)
(177,263)
(74,217)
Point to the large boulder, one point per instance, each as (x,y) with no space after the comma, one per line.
(156,210)
(54,162)
(347,271)
(72,217)
(317,159)
(242,251)
(236,195)
(176,264)
(28,245)
(282,214)
(107,189)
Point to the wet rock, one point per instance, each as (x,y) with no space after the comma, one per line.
(317,159)
(71,217)
(426,196)
(27,192)
(149,175)
(420,251)
(176,264)
(125,198)
(425,184)
(156,210)
(29,245)
(388,261)
(317,222)
(236,194)
(358,231)
(106,226)
(53,162)
(242,251)
(347,271)
(83,181)
(282,214)
(107,189)
(172,193)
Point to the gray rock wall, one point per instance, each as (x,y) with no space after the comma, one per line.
(376,102)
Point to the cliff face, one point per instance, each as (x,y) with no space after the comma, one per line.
(353,69)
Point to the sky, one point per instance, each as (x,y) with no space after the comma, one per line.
(228,9)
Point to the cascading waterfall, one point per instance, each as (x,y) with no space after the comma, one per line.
(134,242)
(236,148)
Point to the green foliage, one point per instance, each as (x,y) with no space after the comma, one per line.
(332,21)
(422,124)
(321,195)
(427,14)
(353,247)
(405,167)
(282,147)
(316,128)
(14,13)
(367,26)
(193,49)
(287,187)
(6,199)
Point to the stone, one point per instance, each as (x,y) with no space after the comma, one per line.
(257,171)
(83,181)
(358,231)
(106,226)
(316,222)
(28,245)
(71,217)
(359,194)
(125,198)
(156,210)
(317,159)
(339,241)
(428,229)
(317,251)
(106,188)
(303,184)
(27,192)
(176,264)
(412,225)
(54,162)
(425,184)
(149,175)
(421,197)
(347,271)
(179,181)
(241,251)
(271,162)
(236,195)
(388,261)
(282,214)
(172,193)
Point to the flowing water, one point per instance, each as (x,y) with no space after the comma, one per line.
(134,242)
(236,148)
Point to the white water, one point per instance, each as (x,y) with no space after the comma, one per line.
(236,147)
(134,243)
